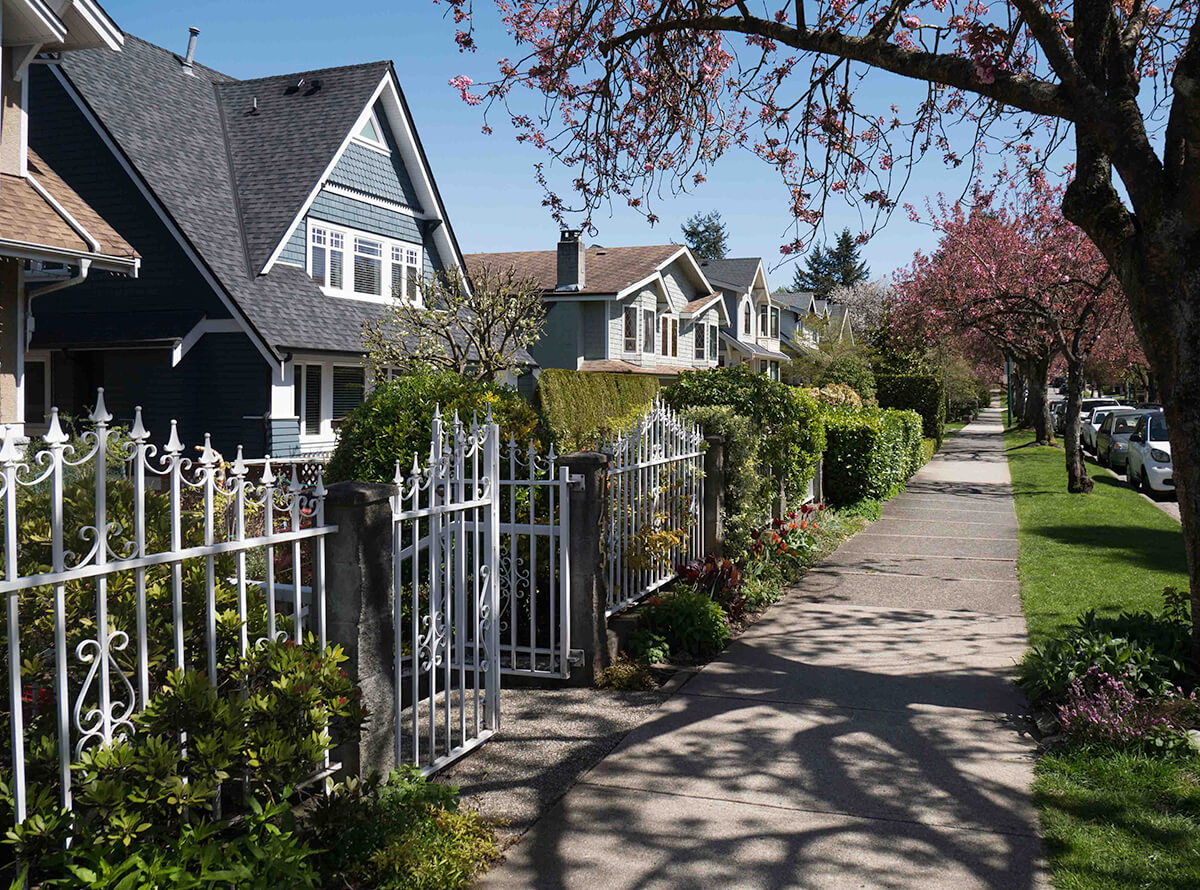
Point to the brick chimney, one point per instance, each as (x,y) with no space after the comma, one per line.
(571,257)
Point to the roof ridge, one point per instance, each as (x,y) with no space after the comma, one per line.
(250,80)
(175,55)
(590,247)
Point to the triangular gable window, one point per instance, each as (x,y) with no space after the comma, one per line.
(372,134)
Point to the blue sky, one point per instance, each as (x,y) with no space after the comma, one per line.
(487,181)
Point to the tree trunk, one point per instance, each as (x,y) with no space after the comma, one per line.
(1018,394)
(1078,481)
(1037,406)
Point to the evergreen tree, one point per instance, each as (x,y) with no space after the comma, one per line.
(829,267)
(704,233)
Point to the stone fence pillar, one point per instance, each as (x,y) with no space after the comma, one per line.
(714,497)
(359,581)
(589,590)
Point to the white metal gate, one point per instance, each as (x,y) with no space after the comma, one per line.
(446,538)
(535,578)
(655,501)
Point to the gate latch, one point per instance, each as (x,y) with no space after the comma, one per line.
(575,657)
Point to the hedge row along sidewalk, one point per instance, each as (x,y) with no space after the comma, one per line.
(1111,820)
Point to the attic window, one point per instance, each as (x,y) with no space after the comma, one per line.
(372,134)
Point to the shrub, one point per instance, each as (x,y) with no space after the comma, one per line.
(404,832)
(720,580)
(851,371)
(788,420)
(692,622)
(581,407)
(1101,709)
(747,485)
(649,646)
(626,675)
(1148,652)
(395,421)
(836,395)
(870,453)
(923,393)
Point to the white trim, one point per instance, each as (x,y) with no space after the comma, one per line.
(316,190)
(386,263)
(20,66)
(104,27)
(381,146)
(23,122)
(202,327)
(381,203)
(261,345)
(705,306)
(75,224)
(327,435)
(44,15)
(27,251)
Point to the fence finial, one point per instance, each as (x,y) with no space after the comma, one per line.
(208,456)
(100,413)
(398,478)
(239,464)
(174,446)
(9,453)
(139,433)
(55,435)
(268,477)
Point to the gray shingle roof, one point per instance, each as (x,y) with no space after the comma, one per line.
(170,127)
(801,301)
(735,272)
(280,151)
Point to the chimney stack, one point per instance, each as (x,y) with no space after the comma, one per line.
(571,257)
(190,58)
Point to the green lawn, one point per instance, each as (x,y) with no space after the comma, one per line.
(954,427)
(1107,551)
(1111,820)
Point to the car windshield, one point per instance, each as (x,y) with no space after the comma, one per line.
(1158,428)
(1124,423)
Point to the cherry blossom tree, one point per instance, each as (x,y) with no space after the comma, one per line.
(1011,268)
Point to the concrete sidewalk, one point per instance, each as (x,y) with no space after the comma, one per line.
(863,734)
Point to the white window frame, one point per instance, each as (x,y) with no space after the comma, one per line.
(650,326)
(773,315)
(636,339)
(389,246)
(326,436)
(699,342)
(714,342)
(380,145)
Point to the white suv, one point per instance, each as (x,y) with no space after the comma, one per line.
(1149,463)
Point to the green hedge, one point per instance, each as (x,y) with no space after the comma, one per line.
(870,453)
(395,422)
(747,488)
(852,371)
(581,407)
(788,419)
(923,393)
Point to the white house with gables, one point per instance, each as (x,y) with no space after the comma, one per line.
(753,332)
(633,310)
(277,215)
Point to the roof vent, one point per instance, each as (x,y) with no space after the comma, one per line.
(190,59)
(254,105)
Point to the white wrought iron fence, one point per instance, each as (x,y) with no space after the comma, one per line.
(535,577)
(655,502)
(122,562)
(446,538)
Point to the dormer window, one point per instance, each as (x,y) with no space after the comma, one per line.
(372,134)
(380,270)
(747,320)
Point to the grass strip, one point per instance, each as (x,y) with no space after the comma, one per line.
(1111,819)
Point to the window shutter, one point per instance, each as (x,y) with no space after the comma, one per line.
(312,400)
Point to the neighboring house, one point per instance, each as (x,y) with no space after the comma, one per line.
(50,238)
(753,332)
(807,322)
(282,213)
(636,310)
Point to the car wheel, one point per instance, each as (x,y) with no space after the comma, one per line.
(1146,488)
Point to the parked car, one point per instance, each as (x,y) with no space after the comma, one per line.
(1149,459)
(1112,439)
(1058,414)
(1090,426)
(1089,405)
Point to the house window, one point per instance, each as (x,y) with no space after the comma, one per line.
(712,342)
(700,341)
(376,262)
(764,324)
(631,329)
(372,133)
(349,386)
(775,322)
(37,391)
(665,338)
(648,331)
(771,369)
(747,320)
(306,387)
(674,338)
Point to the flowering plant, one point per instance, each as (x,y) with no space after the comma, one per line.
(1103,709)
(790,539)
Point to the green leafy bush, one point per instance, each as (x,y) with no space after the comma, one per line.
(788,420)
(582,407)
(394,422)
(923,393)
(851,371)
(747,485)
(626,675)
(403,833)
(690,620)
(649,646)
(870,453)
(1149,652)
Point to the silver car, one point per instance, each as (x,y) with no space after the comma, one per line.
(1112,439)
(1089,426)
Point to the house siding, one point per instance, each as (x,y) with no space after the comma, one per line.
(346,211)
(295,252)
(374,173)
(593,320)
(284,437)
(559,343)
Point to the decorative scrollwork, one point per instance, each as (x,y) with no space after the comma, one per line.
(110,717)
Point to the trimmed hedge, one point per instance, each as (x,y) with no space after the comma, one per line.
(395,421)
(788,419)
(747,489)
(870,453)
(581,407)
(851,371)
(923,393)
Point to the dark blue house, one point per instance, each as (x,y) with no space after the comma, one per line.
(275,216)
